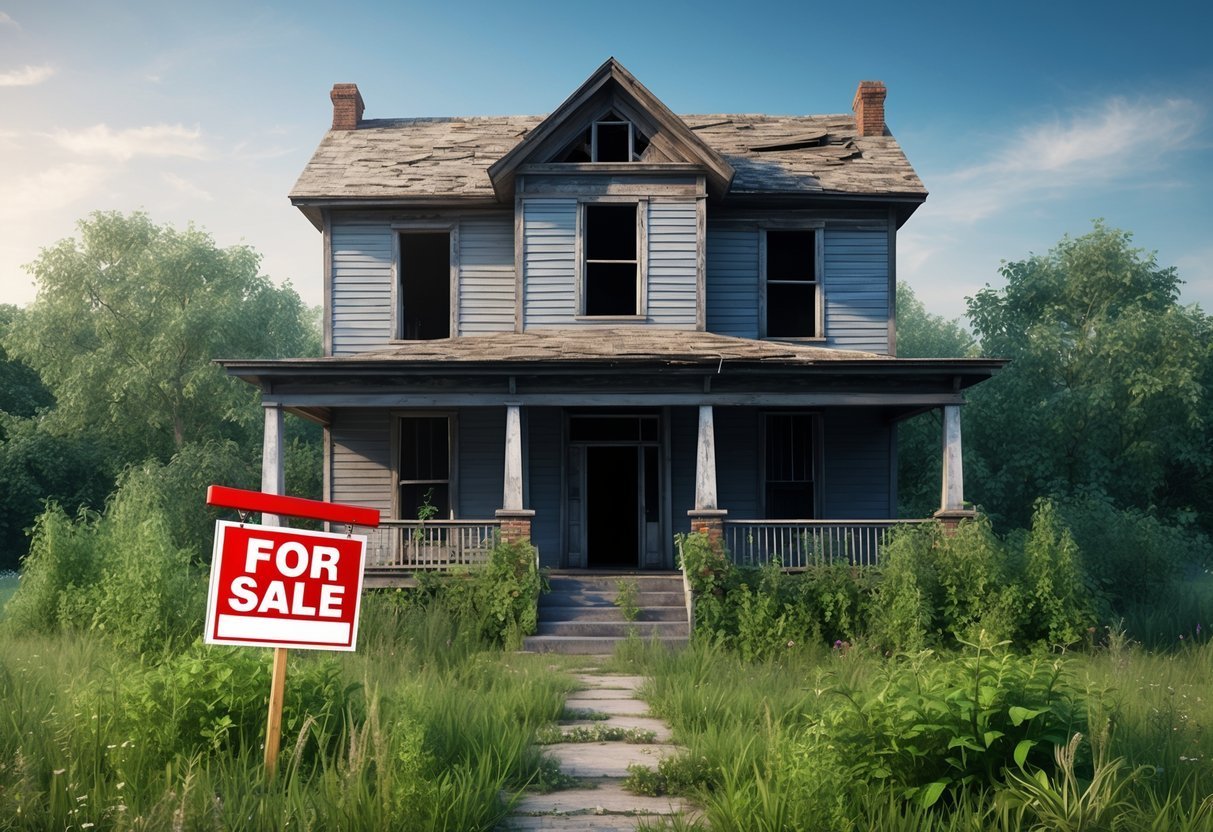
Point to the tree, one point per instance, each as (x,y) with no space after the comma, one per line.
(22,392)
(921,334)
(128,319)
(1108,388)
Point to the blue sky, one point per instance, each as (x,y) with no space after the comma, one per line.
(1025,121)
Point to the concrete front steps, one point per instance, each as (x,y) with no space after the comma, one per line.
(580,613)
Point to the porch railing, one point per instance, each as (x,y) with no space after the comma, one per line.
(798,544)
(431,544)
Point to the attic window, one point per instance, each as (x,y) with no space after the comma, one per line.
(610,139)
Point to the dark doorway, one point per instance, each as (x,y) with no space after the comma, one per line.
(612,498)
(425,286)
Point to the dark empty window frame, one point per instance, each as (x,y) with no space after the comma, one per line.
(424,288)
(425,454)
(790,465)
(612,268)
(790,303)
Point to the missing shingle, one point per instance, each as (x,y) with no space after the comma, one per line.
(817,139)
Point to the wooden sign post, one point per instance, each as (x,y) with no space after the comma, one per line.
(277,587)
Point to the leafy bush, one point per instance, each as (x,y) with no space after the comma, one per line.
(120,573)
(213,699)
(502,597)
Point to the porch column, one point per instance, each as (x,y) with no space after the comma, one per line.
(515,520)
(951,502)
(273,468)
(706,517)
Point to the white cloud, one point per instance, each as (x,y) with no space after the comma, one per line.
(187,188)
(1110,144)
(153,140)
(5,20)
(51,189)
(27,76)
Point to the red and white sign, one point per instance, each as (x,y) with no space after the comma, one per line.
(278,587)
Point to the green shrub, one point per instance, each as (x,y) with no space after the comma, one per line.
(501,597)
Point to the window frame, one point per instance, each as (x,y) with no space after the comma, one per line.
(818,283)
(452,426)
(642,265)
(451,228)
(613,123)
(815,421)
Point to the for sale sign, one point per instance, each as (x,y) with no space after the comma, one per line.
(279,587)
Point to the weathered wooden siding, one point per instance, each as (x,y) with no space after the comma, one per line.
(672,264)
(360,460)
(856,477)
(732,281)
(361,301)
(856,283)
(550,263)
(545,462)
(481,462)
(738,458)
(684,437)
(486,275)
(857,287)
(548,260)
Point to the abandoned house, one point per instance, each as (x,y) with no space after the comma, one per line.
(600,327)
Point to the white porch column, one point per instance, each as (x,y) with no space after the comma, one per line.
(273,469)
(512,496)
(952,496)
(705,462)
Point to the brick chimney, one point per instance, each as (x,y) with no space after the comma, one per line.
(869,108)
(347,106)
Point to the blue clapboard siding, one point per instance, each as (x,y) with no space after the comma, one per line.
(486,275)
(544,464)
(732,281)
(549,258)
(856,284)
(672,264)
(360,462)
(684,439)
(856,478)
(738,460)
(481,462)
(361,301)
(857,287)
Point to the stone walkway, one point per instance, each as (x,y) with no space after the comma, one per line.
(601,803)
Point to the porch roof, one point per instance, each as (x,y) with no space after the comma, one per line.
(604,350)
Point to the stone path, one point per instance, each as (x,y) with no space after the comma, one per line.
(602,804)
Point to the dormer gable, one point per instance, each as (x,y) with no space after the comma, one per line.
(611,119)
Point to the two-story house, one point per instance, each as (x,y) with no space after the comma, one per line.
(603,326)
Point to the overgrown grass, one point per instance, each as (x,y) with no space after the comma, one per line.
(424,728)
(8,585)
(852,739)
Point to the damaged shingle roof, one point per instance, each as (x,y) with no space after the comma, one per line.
(449,157)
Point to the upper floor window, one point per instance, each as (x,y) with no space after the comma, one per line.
(611,284)
(791,284)
(423,296)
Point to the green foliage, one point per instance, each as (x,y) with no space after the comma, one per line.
(121,573)
(212,699)
(937,587)
(767,612)
(678,774)
(500,598)
(625,598)
(22,393)
(127,321)
(1108,386)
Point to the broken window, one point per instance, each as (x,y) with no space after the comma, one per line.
(425,467)
(425,286)
(789,466)
(792,285)
(610,269)
(609,139)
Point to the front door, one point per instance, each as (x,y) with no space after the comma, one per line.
(614,494)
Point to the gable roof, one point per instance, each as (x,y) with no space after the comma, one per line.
(609,78)
(451,159)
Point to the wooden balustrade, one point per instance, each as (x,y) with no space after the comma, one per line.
(416,545)
(798,544)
